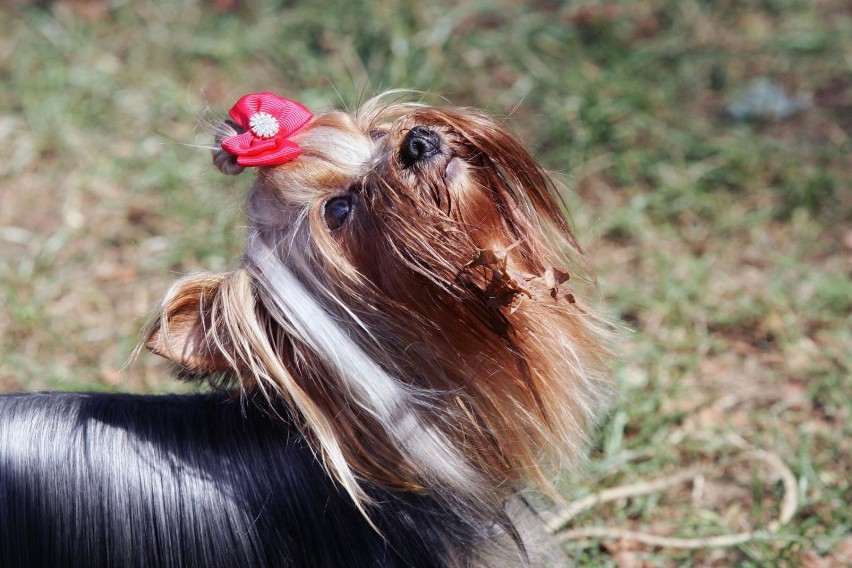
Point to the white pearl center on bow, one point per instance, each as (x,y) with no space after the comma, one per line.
(264,125)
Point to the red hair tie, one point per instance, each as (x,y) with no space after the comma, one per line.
(269,121)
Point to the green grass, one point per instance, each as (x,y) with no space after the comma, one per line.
(723,247)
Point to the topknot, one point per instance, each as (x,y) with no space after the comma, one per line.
(224,160)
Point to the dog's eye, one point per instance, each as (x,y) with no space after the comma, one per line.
(336,211)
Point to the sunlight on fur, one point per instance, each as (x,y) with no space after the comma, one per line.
(412,289)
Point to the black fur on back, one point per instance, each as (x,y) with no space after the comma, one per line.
(182,481)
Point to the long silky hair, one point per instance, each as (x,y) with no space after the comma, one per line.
(434,341)
(98,480)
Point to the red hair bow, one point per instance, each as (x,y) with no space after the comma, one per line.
(269,121)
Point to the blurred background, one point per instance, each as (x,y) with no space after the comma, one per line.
(707,151)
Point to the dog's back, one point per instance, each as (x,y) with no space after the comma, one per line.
(120,480)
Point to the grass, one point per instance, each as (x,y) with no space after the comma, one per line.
(724,248)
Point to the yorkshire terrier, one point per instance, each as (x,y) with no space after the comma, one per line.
(399,353)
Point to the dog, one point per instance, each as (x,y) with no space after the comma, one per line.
(405,345)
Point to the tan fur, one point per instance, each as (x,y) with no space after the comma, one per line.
(434,342)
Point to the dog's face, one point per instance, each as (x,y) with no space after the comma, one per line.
(405,290)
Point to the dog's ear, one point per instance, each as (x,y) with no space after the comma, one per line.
(185,332)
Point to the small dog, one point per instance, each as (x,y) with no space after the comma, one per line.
(397,355)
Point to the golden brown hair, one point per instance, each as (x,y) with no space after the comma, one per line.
(415,311)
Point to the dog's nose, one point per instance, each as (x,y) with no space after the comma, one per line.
(419,144)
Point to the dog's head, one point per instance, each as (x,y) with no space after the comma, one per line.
(405,289)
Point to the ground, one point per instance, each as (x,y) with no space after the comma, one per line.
(722,238)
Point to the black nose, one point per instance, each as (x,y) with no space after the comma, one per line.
(419,144)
